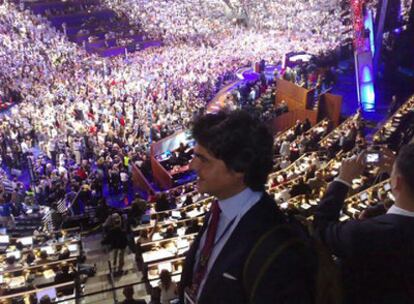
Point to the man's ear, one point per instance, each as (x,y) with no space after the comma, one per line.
(399,183)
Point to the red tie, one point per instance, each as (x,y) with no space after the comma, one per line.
(207,248)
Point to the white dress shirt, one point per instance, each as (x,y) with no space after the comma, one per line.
(399,211)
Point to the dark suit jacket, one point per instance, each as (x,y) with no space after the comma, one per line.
(284,282)
(377,253)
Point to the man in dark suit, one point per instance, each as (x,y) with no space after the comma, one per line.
(377,254)
(232,159)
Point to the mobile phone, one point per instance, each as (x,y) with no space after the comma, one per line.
(372,157)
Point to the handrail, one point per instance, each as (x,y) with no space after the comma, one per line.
(175,259)
(358,194)
(377,135)
(169,239)
(289,182)
(63,230)
(184,207)
(292,165)
(38,247)
(35,290)
(107,290)
(200,202)
(317,125)
(278,136)
(139,228)
(178,187)
(72,259)
(337,129)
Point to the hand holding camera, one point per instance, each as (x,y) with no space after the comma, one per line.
(352,167)
(387,161)
(372,157)
(378,156)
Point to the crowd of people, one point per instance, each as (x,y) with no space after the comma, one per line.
(82,119)
(204,21)
(78,108)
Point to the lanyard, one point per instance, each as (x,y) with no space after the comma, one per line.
(200,246)
(225,231)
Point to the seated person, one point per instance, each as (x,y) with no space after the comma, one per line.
(317,183)
(299,188)
(162,203)
(193,227)
(182,151)
(129,296)
(64,254)
(45,300)
(170,232)
(30,258)
(144,236)
(11,263)
(19,246)
(188,200)
(43,257)
(183,215)
(184,157)
(156,233)
(64,276)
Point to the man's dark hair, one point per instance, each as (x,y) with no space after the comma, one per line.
(242,142)
(405,164)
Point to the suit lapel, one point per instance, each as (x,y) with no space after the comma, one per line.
(246,232)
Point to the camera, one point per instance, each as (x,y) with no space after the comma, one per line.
(372,157)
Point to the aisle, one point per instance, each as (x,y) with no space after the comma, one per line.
(95,254)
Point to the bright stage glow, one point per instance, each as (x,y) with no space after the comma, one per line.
(366,74)
(368,96)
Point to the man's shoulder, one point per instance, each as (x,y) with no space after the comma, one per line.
(388,222)
(266,208)
(378,230)
(277,226)
(259,220)
(387,219)
(266,220)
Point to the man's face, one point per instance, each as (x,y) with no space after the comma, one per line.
(214,177)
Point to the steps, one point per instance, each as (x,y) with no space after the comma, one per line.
(96,254)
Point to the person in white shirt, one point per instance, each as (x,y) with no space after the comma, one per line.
(77,150)
(168,287)
(284,163)
(25,148)
(124,180)
(285,148)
